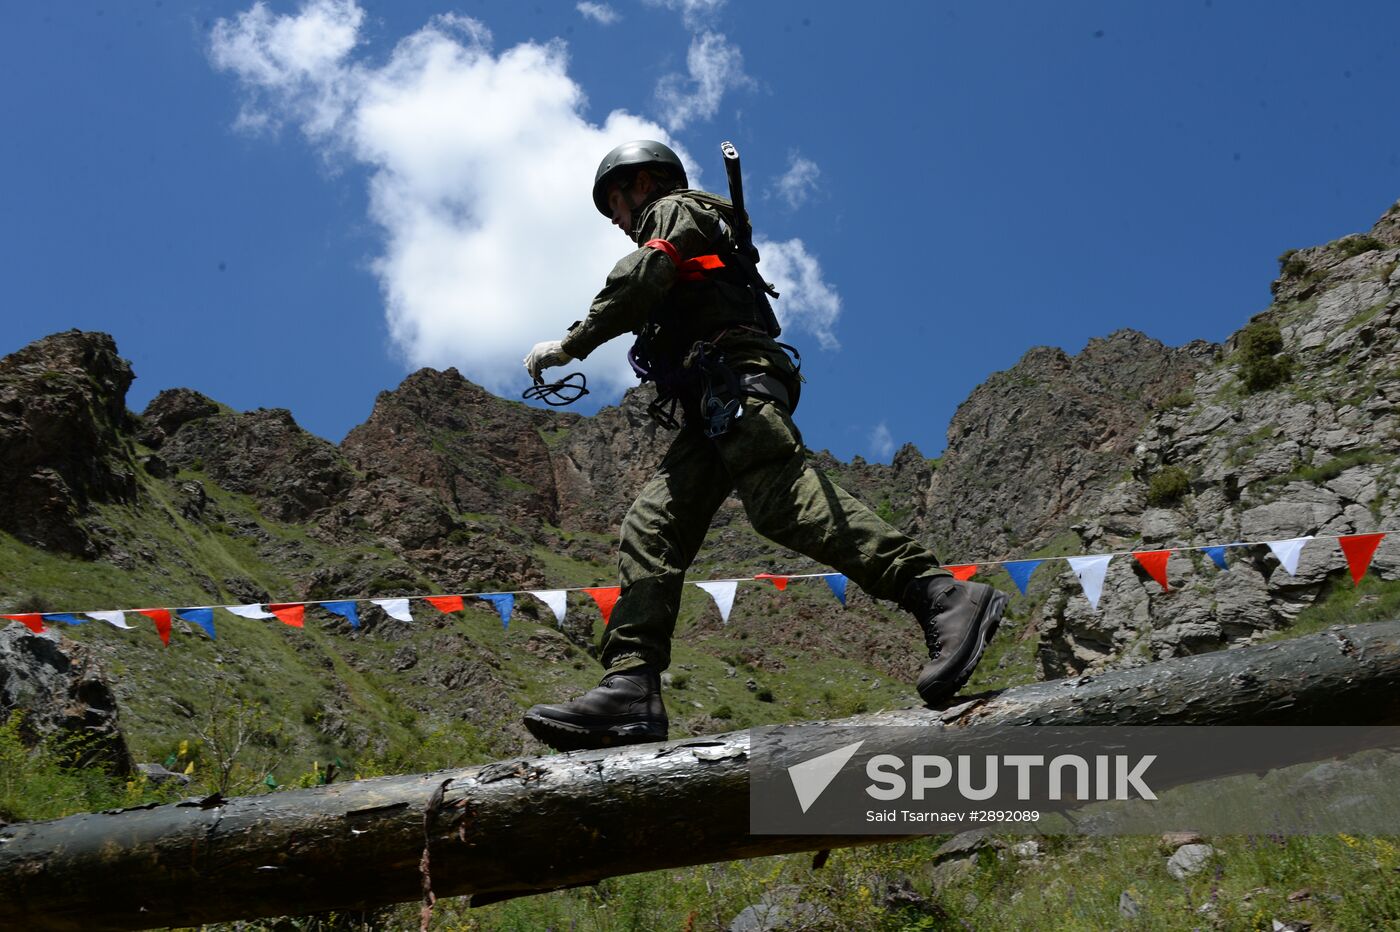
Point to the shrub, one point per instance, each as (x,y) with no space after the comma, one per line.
(1181,399)
(1333,468)
(30,604)
(388,585)
(1291,265)
(1263,364)
(1356,245)
(764,695)
(1167,486)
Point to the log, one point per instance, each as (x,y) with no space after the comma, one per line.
(535,824)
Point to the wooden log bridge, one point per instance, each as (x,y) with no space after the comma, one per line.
(535,824)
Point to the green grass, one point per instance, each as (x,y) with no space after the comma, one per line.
(47,782)
(1344,604)
(1335,881)
(1331,469)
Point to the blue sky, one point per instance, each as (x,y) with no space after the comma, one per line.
(296,204)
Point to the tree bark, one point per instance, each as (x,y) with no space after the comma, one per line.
(535,824)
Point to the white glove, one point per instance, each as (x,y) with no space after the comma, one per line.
(546,354)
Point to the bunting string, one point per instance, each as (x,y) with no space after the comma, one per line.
(1091,570)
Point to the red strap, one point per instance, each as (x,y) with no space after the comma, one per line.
(688,270)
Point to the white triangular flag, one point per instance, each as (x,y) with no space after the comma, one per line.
(557,600)
(394,608)
(1287,552)
(1091,572)
(249,611)
(115,619)
(723,594)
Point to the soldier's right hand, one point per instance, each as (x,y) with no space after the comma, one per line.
(543,355)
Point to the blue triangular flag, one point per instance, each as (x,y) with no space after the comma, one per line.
(345,610)
(1021,571)
(65,617)
(204,617)
(837,582)
(1217,556)
(504,605)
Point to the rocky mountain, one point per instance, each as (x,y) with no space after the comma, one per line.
(1288,429)
(1293,431)
(1032,446)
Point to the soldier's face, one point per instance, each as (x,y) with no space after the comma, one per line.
(621,210)
(621,202)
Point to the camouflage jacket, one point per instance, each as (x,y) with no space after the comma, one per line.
(645,295)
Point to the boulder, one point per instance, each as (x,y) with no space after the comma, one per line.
(1189,860)
(62,693)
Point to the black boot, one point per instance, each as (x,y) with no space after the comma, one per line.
(958,619)
(625,708)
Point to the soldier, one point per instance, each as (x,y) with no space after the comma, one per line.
(706,337)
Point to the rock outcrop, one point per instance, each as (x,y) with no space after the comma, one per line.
(475,452)
(1032,446)
(64,695)
(1313,454)
(263,453)
(63,422)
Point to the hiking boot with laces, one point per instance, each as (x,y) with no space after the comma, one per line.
(625,708)
(958,619)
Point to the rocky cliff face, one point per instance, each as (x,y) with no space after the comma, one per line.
(1313,453)
(474,451)
(63,421)
(1033,445)
(264,453)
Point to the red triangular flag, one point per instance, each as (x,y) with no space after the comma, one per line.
(779,582)
(1155,562)
(1359,548)
(34,622)
(161,617)
(606,598)
(291,613)
(444,603)
(963,572)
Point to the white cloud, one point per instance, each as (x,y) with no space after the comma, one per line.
(291,64)
(598,12)
(881,442)
(715,66)
(696,14)
(799,182)
(808,303)
(480,166)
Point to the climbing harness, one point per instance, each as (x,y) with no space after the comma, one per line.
(721,395)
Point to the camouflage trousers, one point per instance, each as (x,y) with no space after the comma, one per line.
(762,459)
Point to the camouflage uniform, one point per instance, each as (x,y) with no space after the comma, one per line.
(761,457)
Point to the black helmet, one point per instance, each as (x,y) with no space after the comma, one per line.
(631,156)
